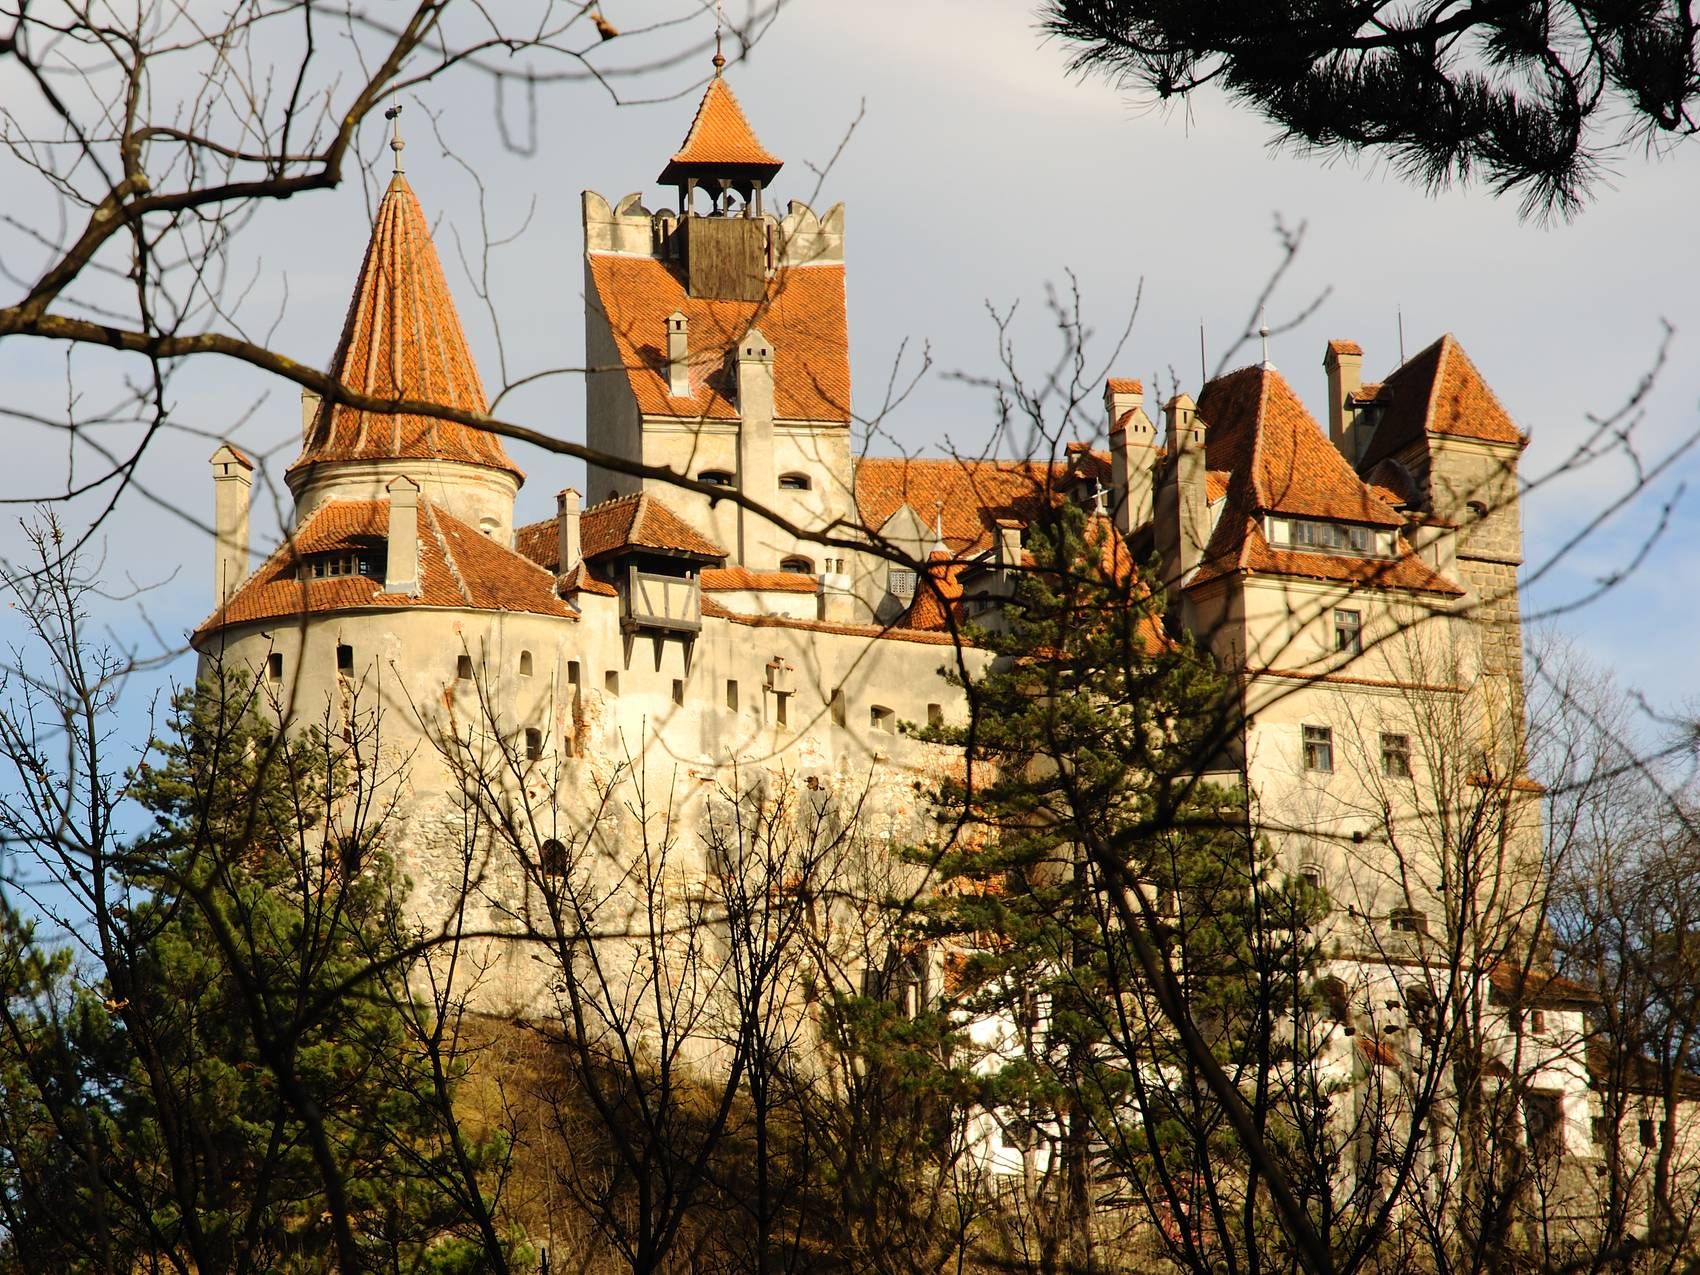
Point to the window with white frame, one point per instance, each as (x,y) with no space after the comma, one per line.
(1348,631)
(1319,748)
(1395,755)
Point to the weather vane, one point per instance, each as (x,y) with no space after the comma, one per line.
(719,26)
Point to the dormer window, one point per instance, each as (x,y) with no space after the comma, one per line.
(342,562)
(794,482)
(717,478)
(1331,537)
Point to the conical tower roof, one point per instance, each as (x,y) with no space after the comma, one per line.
(720,142)
(403,339)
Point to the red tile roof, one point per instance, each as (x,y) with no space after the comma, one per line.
(971,495)
(720,137)
(642,521)
(802,317)
(1345,347)
(1281,460)
(733,579)
(1441,392)
(458,567)
(1278,461)
(1124,385)
(937,607)
(403,339)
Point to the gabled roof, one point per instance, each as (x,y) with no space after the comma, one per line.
(458,567)
(1259,431)
(1277,460)
(970,497)
(642,521)
(742,579)
(720,139)
(802,317)
(403,339)
(1441,392)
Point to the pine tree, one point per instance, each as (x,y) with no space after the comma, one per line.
(1090,871)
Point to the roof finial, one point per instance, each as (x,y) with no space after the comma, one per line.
(393,115)
(1263,331)
(719,25)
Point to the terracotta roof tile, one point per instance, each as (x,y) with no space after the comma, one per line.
(1124,385)
(1259,431)
(732,579)
(1439,391)
(1239,547)
(642,521)
(937,608)
(720,137)
(403,339)
(1345,347)
(458,567)
(970,495)
(802,317)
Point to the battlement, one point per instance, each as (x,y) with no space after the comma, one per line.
(800,238)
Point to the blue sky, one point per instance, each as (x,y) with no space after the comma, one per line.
(979,174)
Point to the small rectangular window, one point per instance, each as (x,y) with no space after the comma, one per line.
(1396,756)
(344,658)
(678,690)
(463,668)
(935,715)
(1644,1132)
(732,694)
(274,667)
(611,682)
(568,748)
(1543,1120)
(1408,921)
(1319,748)
(882,718)
(781,714)
(533,744)
(572,672)
(1349,632)
(839,716)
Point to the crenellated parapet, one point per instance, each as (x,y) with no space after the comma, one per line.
(801,237)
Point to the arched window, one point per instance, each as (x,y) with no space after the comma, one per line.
(797,564)
(552,858)
(525,663)
(1335,1000)
(794,482)
(717,478)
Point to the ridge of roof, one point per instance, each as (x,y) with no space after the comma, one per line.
(639,520)
(719,136)
(1439,390)
(402,339)
(459,567)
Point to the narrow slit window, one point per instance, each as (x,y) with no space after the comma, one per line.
(533,744)
(463,668)
(525,663)
(274,667)
(839,713)
(678,690)
(732,694)
(611,682)
(344,658)
(572,673)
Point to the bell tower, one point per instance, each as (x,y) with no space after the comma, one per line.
(726,249)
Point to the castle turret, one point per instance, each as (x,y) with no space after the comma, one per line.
(402,340)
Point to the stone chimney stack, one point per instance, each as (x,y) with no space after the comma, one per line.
(567,529)
(678,355)
(233,482)
(401,569)
(1183,515)
(309,413)
(1133,453)
(756,477)
(1344,363)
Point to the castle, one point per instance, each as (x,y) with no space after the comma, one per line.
(1359,580)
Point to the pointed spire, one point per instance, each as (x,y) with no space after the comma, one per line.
(721,142)
(1263,331)
(403,339)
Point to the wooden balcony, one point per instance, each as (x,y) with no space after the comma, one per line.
(653,601)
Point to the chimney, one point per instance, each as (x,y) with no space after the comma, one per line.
(1133,453)
(401,570)
(1184,520)
(309,413)
(1344,363)
(756,478)
(566,529)
(835,601)
(1009,545)
(233,482)
(678,355)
